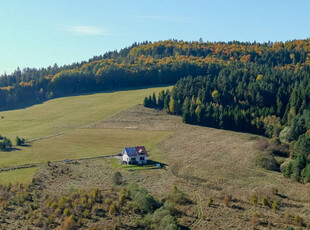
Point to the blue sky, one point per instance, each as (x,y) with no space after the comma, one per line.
(39,33)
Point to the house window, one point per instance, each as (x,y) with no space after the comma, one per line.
(133,159)
(141,158)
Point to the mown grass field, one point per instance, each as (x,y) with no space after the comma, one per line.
(59,129)
(67,113)
(17,175)
(82,143)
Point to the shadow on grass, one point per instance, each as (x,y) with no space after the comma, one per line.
(237,207)
(28,103)
(151,165)
(11,149)
(15,148)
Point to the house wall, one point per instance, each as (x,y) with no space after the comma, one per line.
(126,158)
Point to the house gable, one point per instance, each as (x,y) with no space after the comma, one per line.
(135,155)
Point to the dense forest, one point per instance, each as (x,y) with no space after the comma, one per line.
(270,98)
(147,63)
(261,88)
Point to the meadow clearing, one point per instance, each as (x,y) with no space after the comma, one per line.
(56,129)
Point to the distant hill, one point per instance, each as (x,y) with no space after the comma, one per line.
(147,63)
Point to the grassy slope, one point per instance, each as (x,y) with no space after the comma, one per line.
(71,115)
(67,113)
(18,175)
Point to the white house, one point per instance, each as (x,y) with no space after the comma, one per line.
(135,155)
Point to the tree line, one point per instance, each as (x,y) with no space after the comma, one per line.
(147,63)
(252,98)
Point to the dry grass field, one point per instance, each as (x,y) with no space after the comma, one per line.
(204,163)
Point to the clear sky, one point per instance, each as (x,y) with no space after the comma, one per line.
(39,33)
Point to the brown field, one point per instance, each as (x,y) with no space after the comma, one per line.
(203,162)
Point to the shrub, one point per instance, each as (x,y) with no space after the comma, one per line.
(159,220)
(178,197)
(141,198)
(66,212)
(87,213)
(210,202)
(265,202)
(98,211)
(19,141)
(171,208)
(227,200)
(69,223)
(254,199)
(96,195)
(275,205)
(298,220)
(117,178)
(5,144)
(266,160)
(112,210)
(287,170)
(107,201)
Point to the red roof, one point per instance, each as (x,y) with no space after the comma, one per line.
(141,151)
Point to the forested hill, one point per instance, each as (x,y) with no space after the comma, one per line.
(164,62)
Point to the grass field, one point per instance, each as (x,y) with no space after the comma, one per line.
(82,143)
(59,130)
(67,113)
(18,175)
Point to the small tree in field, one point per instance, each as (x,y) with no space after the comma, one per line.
(117,178)
(19,141)
(5,144)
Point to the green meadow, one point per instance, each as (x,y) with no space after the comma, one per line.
(58,128)
(68,113)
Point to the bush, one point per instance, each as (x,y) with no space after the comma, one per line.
(19,141)
(305,174)
(287,170)
(66,212)
(5,144)
(298,220)
(254,199)
(69,223)
(178,197)
(171,208)
(159,220)
(210,202)
(227,200)
(265,202)
(266,160)
(112,210)
(107,201)
(141,198)
(275,205)
(117,178)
